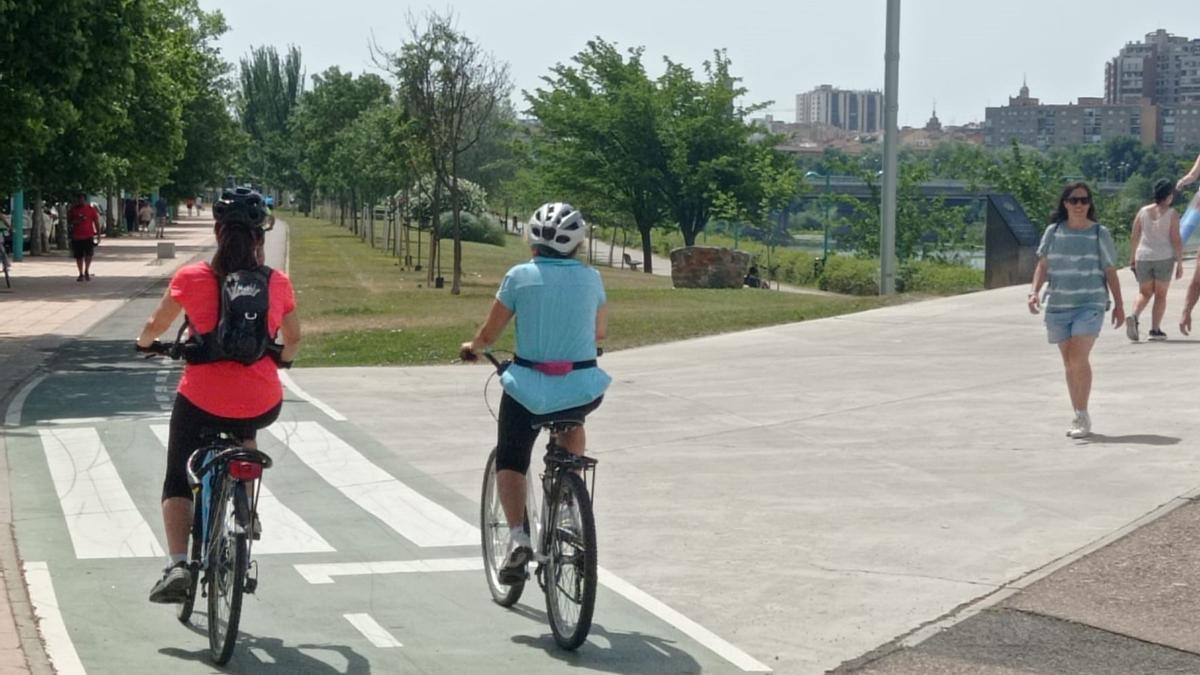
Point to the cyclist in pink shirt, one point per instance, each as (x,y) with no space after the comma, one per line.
(217,394)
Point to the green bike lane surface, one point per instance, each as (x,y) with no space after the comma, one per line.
(444,621)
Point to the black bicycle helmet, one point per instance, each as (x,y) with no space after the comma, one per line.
(242,206)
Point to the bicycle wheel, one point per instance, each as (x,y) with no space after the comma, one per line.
(571,562)
(184,611)
(226,569)
(493,529)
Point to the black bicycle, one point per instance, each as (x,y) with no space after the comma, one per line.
(225,479)
(561,527)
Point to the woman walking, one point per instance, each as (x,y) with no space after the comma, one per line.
(1078,259)
(1157,254)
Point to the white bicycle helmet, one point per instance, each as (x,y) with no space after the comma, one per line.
(557,226)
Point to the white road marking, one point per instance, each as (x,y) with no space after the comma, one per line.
(304,395)
(323,573)
(101,516)
(12,417)
(685,625)
(62,421)
(417,518)
(59,647)
(370,628)
(262,655)
(284,531)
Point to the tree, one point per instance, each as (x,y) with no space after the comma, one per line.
(334,103)
(706,139)
(270,88)
(600,141)
(450,89)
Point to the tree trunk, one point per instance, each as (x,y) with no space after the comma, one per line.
(611,246)
(60,227)
(456,285)
(647,250)
(434,232)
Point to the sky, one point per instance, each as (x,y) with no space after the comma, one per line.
(964,55)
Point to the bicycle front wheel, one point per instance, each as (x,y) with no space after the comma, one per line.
(184,611)
(227,562)
(493,528)
(571,562)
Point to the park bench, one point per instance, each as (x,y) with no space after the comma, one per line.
(630,262)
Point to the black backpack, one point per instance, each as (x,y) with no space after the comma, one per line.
(241,334)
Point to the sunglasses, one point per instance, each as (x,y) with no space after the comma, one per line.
(1074,201)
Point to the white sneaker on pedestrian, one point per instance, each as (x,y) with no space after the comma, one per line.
(1082,426)
(1131,328)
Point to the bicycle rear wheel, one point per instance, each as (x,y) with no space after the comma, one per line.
(493,528)
(227,562)
(184,611)
(570,571)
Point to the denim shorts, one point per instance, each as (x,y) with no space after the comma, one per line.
(1066,324)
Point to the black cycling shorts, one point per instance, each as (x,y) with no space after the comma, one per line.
(516,432)
(83,248)
(189,426)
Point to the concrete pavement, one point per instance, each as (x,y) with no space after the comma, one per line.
(890,490)
(815,490)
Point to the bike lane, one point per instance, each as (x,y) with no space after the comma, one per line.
(86,461)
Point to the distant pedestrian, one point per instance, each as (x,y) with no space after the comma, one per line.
(190,203)
(161,214)
(131,214)
(84,221)
(1156,254)
(145,215)
(1078,258)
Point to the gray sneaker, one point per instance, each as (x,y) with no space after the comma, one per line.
(1131,328)
(1082,426)
(172,588)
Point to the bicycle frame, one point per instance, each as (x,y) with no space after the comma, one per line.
(207,478)
(557,461)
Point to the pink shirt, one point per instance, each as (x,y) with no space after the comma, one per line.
(227,388)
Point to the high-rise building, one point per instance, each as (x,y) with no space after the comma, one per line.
(1164,68)
(841,108)
(1089,120)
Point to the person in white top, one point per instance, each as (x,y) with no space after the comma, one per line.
(1156,254)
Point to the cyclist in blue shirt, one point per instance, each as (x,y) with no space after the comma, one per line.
(561,313)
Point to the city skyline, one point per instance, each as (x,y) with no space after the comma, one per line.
(963,56)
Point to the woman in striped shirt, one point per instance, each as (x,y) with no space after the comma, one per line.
(1078,258)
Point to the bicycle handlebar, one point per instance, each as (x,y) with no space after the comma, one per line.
(472,357)
(174,351)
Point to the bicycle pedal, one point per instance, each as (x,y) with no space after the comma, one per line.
(251,585)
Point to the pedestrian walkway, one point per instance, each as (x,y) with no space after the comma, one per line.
(45,307)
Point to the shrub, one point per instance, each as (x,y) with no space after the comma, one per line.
(929,276)
(797,267)
(474,229)
(853,276)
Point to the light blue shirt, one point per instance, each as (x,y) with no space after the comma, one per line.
(554,301)
(1077,260)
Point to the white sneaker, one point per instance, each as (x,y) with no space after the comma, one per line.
(1131,328)
(1082,426)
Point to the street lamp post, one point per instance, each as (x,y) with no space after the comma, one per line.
(825,246)
(891,90)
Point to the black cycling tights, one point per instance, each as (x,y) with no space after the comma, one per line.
(516,433)
(189,425)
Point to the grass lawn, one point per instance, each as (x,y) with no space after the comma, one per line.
(360,308)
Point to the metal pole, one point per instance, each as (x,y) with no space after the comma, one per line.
(18,225)
(891,105)
(825,250)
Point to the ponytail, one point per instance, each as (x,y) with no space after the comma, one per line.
(237,249)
